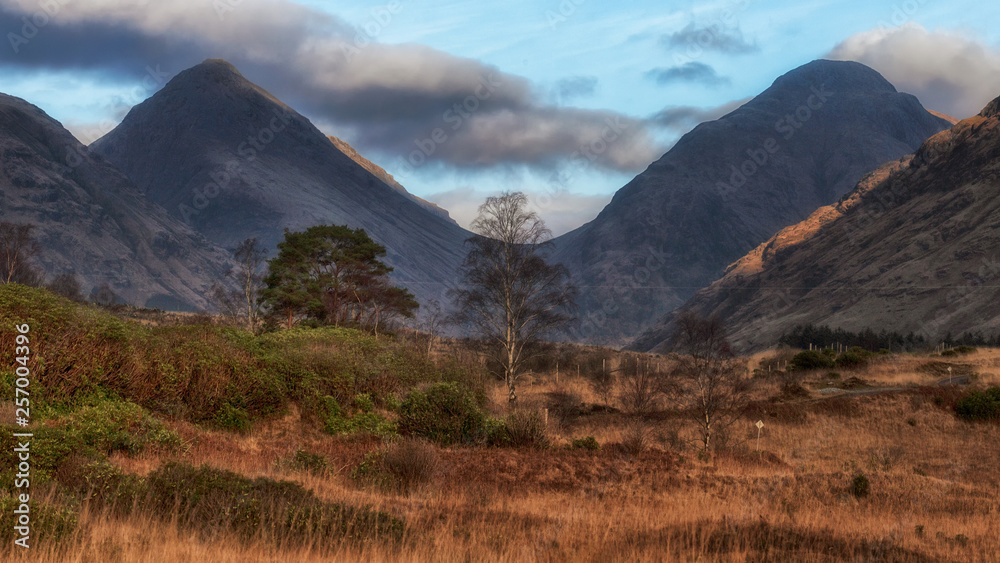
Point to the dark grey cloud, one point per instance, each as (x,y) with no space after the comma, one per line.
(688,72)
(711,38)
(683,118)
(576,87)
(392,96)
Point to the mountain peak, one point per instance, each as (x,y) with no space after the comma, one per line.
(218,70)
(732,183)
(217,63)
(847,75)
(232,161)
(215,80)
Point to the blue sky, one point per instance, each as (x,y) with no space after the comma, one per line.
(565,69)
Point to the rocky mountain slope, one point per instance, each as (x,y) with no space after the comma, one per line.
(226,157)
(93,222)
(729,185)
(914,247)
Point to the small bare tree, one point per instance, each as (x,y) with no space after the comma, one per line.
(640,388)
(251,258)
(431,322)
(17,247)
(68,286)
(510,295)
(243,303)
(104,295)
(711,384)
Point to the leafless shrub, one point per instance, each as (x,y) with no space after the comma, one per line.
(67,286)
(564,406)
(526,429)
(640,388)
(635,437)
(104,295)
(885,457)
(602,382)
(412,462)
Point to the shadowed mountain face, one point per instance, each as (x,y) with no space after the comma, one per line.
(729,185)
(914,247)
(381,174)
(93,222)
(226,157)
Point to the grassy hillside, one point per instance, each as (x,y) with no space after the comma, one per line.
(199,442)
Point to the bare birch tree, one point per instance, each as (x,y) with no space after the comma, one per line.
(711,384)
(510,296)
(243,303)
(17,247)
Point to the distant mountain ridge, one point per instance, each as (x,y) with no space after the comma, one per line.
(92,222)
(729,185)
(224,155)
(913,248)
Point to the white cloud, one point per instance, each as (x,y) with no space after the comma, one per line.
(948,72)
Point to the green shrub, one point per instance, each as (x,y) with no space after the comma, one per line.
(495,432)
(233,418)
(854,358)
(810,360)
(588,443)
(308,461)
(49,523)
(445,413)
(111,426)
(106,486)
(336,422)
(371,470)
(212,500)
(205,373)
(860,486)
(363,402)
(51,447)
(980,405)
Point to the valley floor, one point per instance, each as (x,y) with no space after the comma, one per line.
(933,485)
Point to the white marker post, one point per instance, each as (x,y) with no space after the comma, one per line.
(760,424)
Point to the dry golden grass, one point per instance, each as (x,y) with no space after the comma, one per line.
(934,486)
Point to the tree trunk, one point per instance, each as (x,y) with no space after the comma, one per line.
(511,376)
